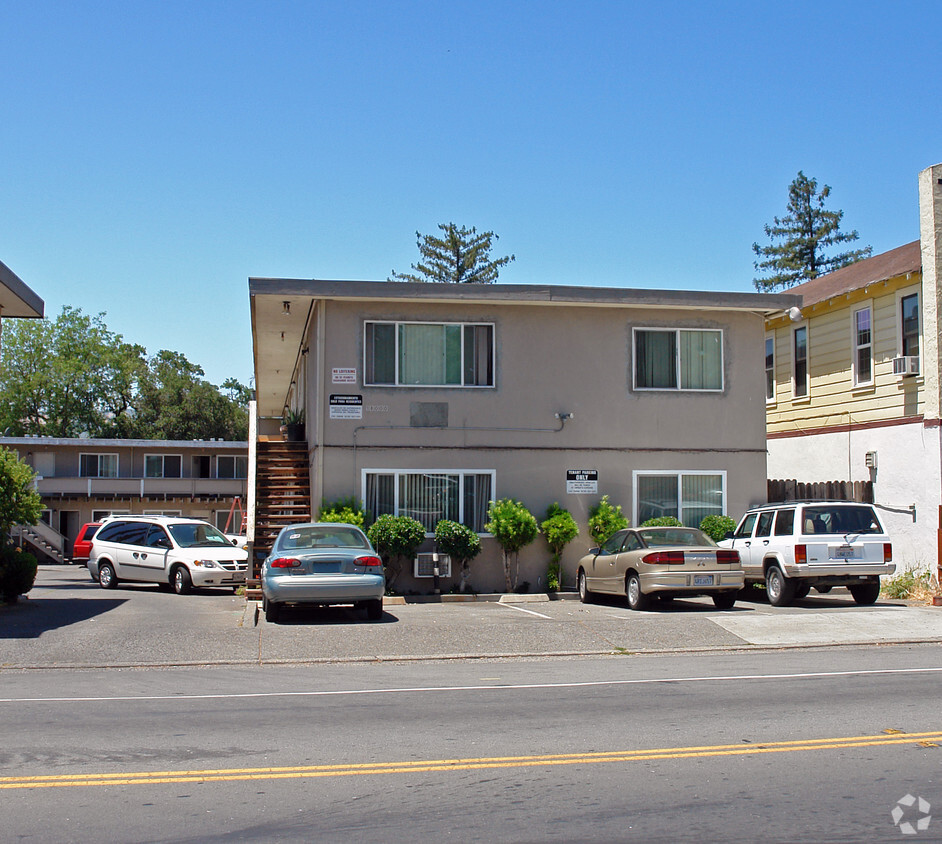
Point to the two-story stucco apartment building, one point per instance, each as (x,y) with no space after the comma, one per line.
(853,387)
(83,480)
(433,399)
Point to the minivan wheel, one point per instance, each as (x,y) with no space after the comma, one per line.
(106,576)
(637,600)
(865,593)
(182,582)
(779,588)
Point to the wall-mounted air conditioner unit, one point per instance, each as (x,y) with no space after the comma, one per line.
(425,565)
(906,365)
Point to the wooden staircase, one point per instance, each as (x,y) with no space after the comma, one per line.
(282,492)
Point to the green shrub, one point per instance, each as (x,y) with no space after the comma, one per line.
(908,585)
(395,538)
(347,510)
(663,521)
(513,526)
(716,527)
(17,573)
(460,543)
(560,529)
(604,520)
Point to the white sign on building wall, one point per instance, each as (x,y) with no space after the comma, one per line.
(346,407)
(582,481)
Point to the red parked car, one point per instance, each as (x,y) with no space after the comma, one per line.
(83,543)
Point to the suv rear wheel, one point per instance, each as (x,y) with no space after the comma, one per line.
(780,589)
(865,593)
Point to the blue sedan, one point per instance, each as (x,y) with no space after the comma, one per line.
(323,563)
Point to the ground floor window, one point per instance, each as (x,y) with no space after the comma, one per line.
(430,496)
(688,496)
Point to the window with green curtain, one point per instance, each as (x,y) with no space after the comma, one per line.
(429,354)
(380,353)
(701,360)
(656,359)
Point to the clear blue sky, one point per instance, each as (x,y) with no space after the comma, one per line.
(154,155)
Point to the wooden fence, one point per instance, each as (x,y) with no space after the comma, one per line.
(792,490)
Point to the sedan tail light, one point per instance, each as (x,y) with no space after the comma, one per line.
(284,563)
(887,552)
(727,557)
(369,561)
(660,558)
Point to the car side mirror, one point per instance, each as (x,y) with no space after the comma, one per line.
(234,541)
(729,535)
(594,550)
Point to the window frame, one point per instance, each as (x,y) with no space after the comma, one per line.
(806,395)
(770,385)
(901,296)
(235,460)
(163,465)
(98,455)
(368,367)
(397,473)
(678,359)
(856,346)
(679,474)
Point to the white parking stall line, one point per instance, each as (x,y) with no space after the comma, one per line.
(521,609)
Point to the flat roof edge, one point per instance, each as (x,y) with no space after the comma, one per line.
(31,305)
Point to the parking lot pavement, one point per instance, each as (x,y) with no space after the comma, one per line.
(68,621)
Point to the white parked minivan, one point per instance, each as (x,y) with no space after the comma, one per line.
(168,550)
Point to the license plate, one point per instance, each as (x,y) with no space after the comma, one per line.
(703,580)
(844,552)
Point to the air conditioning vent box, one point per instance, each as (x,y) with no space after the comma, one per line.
(425,565)
(906,365)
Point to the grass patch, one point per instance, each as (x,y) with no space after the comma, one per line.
(910,586)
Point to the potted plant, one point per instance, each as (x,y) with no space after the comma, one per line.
(293,421)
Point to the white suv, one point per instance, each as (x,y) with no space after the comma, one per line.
(168,550)
(793,546)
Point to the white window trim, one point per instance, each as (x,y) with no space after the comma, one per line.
(397,472)
(898,320)
(398,385)
(807,396)
(679,474)
(866,305)
(769,400)
(163,473)
(677,368)
(100,454)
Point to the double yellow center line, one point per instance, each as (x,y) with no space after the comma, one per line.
(887,738)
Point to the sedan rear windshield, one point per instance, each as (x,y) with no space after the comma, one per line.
(321,537)
(826,519)
(674,536)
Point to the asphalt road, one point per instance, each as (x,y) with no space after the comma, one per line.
(787,745)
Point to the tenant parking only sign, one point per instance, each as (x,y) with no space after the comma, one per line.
(582,481)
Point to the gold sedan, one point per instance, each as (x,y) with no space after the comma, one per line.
(663,562)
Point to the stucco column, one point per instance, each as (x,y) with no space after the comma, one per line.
(930,236)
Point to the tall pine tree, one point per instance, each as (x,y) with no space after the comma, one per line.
(462,256)
(805,232)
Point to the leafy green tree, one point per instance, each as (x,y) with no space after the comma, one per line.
(20,503)
(604,519)
(513,526)
(461,256)
(805,232)
(395,538)
(461,544)
(559,529)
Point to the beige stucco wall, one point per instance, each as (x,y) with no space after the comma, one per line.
(549,359)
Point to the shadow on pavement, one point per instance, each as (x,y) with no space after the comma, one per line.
(329,616)
(30,618)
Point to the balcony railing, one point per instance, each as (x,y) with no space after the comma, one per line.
(173,487)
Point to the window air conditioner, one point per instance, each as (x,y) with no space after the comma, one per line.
(906,365)
(425,565)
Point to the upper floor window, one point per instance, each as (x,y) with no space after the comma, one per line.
(770,369)
(98,465)
(426,354)
(678,359)
(232,466)
(863,346)
(430,496)
(909,324)
(162,465)
(801,362)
